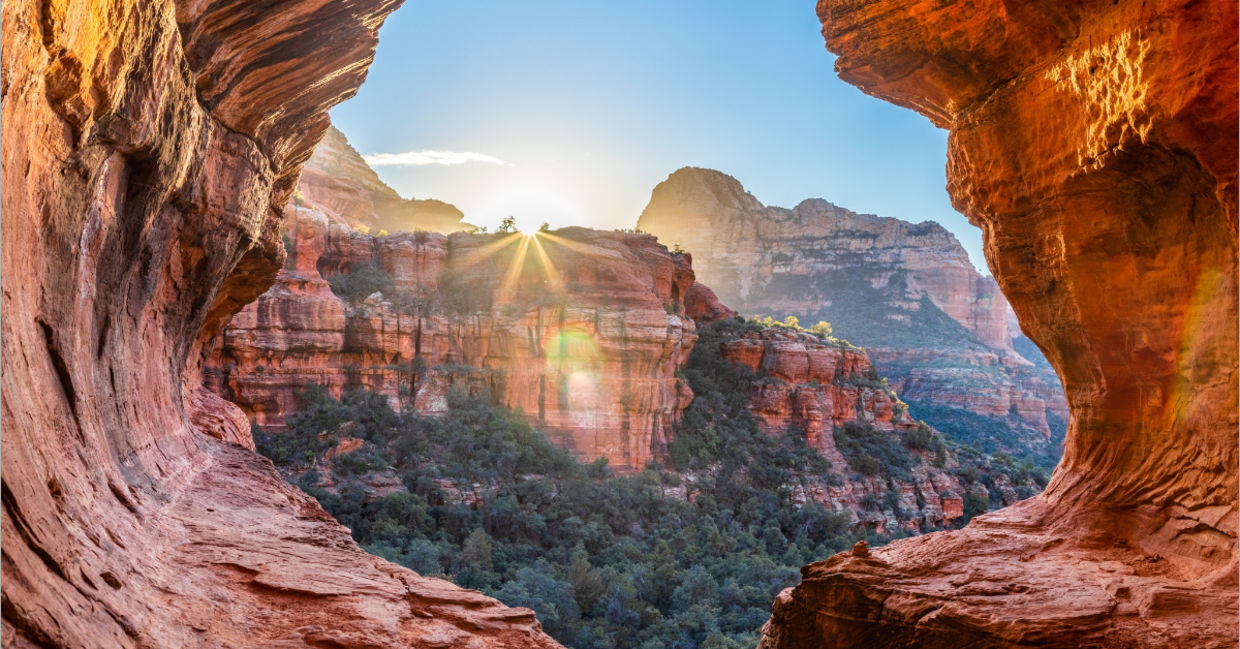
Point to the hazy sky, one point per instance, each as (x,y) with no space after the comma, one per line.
(571,112)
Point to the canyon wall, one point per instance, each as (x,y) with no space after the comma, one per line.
(817,386)
(942,333)
(581,330)
(149,148)
(1095,145)
(588,344)
(812,384)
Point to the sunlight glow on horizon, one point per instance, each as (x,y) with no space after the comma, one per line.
(531,204)
(578,126)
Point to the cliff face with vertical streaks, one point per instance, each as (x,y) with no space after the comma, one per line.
(149,148)
(1095,145)
(581,330)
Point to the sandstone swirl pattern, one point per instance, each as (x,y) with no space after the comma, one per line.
(1095,145)
(149,148)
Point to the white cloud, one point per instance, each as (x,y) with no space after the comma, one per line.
(417,158)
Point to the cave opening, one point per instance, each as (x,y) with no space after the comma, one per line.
(919,397)
(720,428)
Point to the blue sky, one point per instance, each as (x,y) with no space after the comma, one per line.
(571,112)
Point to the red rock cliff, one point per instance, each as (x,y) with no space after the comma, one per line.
(1095,145)
(581,330)
(813,384)
(941,332)
(817,386)
(148,150)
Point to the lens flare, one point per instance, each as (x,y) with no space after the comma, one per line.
(573,357)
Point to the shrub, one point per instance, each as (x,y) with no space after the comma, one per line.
(976,501)
(870,451)
(921,438)
(604,559)
(360,282)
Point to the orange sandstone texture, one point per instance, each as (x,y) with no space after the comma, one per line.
(703,305)
(1095,145)
(806,384)
(148,150)
(812,384)
(586,343)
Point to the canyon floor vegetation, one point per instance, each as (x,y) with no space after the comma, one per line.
(689,554)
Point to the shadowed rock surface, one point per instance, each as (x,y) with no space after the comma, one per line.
(1095,145)
(149,148)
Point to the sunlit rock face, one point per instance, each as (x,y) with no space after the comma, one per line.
(812,384)
(941,332)
(338,183)
(148,150)
(1095,145)
(703,305)
(581,330)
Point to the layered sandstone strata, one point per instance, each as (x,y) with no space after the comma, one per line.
(581,330)
(942,333)
(148,150)
(813,387)
(813,384)
(1095,145)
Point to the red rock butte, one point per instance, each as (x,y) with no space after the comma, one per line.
(1095,145)
(586,343)
(879,281)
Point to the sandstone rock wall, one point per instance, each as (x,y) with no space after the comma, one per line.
(148,150)
(1095,145)
(581,330)
(813,384)
(939,330)
(814,387)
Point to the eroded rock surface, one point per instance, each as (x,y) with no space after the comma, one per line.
(148,150)
(1095,145)
(812,384)
(581,330)
(813,387)
(940,331)
(338,183)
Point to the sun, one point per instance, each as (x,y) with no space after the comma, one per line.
(527,223)
(530,204)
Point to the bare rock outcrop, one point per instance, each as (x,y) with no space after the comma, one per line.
(814,387)
(338,183)
(940,331)
(703,305)
(149,148)
(1095,145)
(813,384)
(581,330)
